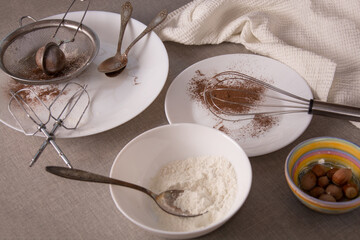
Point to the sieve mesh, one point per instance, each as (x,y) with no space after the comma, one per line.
(18,51)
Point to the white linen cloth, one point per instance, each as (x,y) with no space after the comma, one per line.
(320,39)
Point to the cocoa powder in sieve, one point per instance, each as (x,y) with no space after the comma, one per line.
(31,71)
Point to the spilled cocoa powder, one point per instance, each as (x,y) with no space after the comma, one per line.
(262,123)
(230,90)
(136,81)
(196,87)
(46,93)
(233,97)
(31,71)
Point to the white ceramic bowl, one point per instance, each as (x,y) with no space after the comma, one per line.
(140,160)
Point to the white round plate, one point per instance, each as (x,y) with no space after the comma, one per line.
(180,107)
(116,100)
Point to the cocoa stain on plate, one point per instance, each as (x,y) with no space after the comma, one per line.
(46,93)
(256,127)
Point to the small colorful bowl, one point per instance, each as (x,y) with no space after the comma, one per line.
(335,151)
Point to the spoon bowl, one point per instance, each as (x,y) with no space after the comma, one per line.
(164,200)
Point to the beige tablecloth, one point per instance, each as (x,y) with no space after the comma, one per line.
(37,205)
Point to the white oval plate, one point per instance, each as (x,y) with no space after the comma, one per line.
(181,108)
(114,101)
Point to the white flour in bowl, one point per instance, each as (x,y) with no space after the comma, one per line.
(209,185)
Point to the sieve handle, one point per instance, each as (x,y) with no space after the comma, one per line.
(80,24)
(334,110)
(24,17)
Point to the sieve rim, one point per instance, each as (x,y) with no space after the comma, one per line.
(11,37)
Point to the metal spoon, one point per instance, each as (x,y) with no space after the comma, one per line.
(116,62)
(164,200)
(126,11)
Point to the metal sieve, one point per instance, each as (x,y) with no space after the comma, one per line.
(18,49)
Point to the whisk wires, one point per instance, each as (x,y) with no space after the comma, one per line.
(236,96)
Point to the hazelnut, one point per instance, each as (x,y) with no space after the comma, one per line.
(334,191)
(319,170)
(342,176)
(351,190)
(316,191)
(331,172)
(308,181)
(323,181)
(327,197)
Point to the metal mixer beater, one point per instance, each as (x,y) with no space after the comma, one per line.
(66,110)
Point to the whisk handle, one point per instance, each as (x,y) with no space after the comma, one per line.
(334,110)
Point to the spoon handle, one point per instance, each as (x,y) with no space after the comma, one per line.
(126,11)
(81,175)
(153,24)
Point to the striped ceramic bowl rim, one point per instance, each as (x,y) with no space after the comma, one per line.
(336,151)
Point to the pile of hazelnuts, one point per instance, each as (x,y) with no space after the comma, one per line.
(329,184)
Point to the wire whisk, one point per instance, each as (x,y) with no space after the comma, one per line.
(235,96)
(66,110)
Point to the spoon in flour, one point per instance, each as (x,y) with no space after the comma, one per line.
(164,200)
